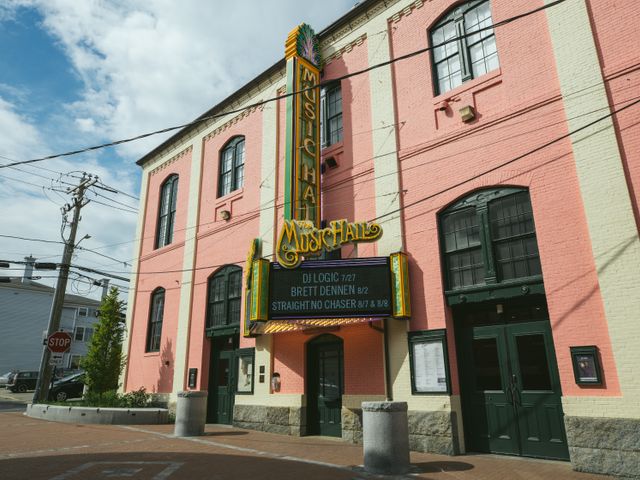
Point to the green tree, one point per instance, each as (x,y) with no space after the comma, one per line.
(104,361)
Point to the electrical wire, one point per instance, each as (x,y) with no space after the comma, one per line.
(430,196)
(285,95)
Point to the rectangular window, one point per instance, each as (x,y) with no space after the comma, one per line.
(232,159)
(83,311)
(464,45)
(331,106)
(154,334)
(74,361)
(167,211)
(245,370)
(88,334)
(463,250)
(514,238)
(78,335)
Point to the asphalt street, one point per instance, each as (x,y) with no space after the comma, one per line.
(37,449)
(14,402)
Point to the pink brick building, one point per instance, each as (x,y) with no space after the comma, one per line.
(502,158)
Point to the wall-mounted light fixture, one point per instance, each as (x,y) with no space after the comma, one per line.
(331,162)
(467,113)
(443,105)
(275,382)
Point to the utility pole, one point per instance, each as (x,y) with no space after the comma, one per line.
(78,201)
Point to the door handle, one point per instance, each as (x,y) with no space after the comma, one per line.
(514,390)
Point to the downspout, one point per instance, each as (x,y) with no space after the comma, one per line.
(388,387)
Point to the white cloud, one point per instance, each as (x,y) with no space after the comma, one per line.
(31,209)
(149,64)
(143,65)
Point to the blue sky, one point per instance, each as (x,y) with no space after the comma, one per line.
(79,73)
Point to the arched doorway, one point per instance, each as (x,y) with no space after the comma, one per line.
(325,385)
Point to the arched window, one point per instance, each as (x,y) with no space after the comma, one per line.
(167,211)
(489,237)
(472,55)
(223,297)
(156,313)
(231,167)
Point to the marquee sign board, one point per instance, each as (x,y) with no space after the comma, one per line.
(331,288)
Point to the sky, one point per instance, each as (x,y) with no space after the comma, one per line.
(79,73)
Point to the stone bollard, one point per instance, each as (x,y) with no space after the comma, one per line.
(191,413)
(385,433)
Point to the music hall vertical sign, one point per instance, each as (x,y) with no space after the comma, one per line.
(302,160)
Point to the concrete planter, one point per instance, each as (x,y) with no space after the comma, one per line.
(99,415)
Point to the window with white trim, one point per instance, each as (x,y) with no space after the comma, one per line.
(167,211)
(156,314)
(231,175)
(464,45)
(331,107)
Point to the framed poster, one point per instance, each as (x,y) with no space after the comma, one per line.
(429,362)
(245,360)
(586,365)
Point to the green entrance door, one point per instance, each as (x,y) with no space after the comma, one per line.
(222,380)
(324,386)
(511,390)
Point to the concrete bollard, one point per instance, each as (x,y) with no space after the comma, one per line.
(191,413)
(385,432)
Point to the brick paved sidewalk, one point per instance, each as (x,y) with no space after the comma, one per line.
(36,449)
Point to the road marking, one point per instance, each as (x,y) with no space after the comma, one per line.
(121,472)
(359,469)
(64,449)
(171,468)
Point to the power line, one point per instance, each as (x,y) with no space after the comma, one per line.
(114,207)
(430,196)
(285,95)
(31,239)
(275,205)
(519,157)
(58,242)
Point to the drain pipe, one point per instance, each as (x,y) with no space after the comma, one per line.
(388,388)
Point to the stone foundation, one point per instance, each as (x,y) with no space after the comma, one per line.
(282,420)
(352,425)
(433,432)
(609,446)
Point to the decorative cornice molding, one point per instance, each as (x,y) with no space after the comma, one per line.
(406,11)
(249,97)
(240,116)
(345,49)
(356,23)
(173,159)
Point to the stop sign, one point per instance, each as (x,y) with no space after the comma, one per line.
(59,342)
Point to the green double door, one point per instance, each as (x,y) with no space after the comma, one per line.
(324,386)
(511,390)
(222,380)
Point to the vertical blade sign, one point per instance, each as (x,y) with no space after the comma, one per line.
(302,163)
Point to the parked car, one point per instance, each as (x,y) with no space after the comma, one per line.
(23,380)
(71,386)
(4,379)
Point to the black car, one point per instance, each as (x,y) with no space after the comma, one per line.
(23,381)
(71,386)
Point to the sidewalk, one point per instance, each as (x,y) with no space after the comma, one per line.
(35,449)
